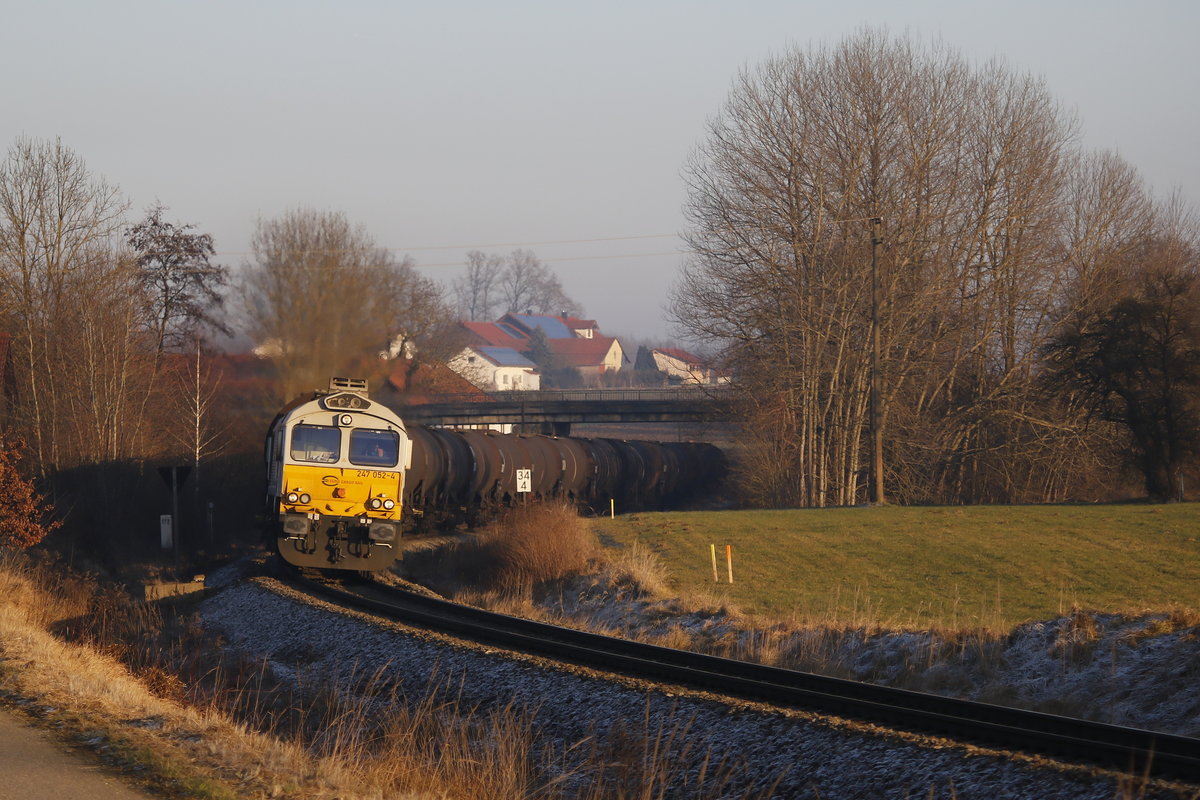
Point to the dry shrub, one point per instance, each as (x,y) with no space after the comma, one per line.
(1177,619)
(163,683)
(518,550)
(531,545)
(23,512)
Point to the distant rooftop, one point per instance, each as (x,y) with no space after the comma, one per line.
(506,357)
(553,327)
(497,335)
(680,355)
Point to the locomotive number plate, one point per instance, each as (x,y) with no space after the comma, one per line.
(366,473)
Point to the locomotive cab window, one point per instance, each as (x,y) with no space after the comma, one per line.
(374,448)
(321,444)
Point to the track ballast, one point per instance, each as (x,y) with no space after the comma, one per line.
(1113,747)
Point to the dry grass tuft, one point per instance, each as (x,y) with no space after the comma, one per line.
(158,693)
(1076,637)
(76,689)
(1180,617)
(642,568)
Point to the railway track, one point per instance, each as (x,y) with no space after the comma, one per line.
(1111,747)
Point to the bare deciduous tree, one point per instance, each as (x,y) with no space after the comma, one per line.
(478,289)
(195,392)
(1133,357)
(423,328)
(181,286)
(325,300)
(519,283)
(71,303)
(529,285)
(975,172)
(105,373)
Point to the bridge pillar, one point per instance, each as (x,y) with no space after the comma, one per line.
(556,428)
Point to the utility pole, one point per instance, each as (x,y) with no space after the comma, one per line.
(876,409)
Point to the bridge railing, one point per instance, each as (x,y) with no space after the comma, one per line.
(678,394)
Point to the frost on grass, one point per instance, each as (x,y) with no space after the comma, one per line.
(1137,670)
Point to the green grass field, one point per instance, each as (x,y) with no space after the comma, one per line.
(954,567)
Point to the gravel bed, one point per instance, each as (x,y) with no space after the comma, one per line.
(810,755)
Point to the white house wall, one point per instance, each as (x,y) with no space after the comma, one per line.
(490,377)
(516,379)
(679,369)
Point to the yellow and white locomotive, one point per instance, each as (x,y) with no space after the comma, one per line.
(336,463)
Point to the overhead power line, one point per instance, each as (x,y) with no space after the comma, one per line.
(594,240)
(499,244)
(557,259)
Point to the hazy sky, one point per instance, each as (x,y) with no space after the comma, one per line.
(555,126)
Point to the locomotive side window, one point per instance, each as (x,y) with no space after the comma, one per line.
(321,444)
(374,448)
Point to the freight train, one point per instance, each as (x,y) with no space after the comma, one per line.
(346,478)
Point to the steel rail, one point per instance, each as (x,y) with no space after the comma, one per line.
(1129,750)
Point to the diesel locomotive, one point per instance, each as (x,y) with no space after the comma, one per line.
(346,478)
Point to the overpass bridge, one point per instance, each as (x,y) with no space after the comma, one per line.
(555,411)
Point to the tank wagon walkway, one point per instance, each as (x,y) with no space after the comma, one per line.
(557,411)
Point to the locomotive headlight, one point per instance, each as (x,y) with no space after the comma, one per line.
(305,498)
(374,504)
(292,498)
(389,504)
(344,420)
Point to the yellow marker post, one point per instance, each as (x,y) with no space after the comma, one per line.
(729,560)
(612,507)
(712,548)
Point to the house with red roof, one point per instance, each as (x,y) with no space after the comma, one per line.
(416,383)
(683,367)
(573,342)
(497,369)
(496,334)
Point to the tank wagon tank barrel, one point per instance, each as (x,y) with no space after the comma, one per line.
(344,472)
(637,475)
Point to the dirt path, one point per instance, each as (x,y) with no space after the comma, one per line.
(34,767)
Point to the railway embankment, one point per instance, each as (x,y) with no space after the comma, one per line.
(758,750)
(260,691)
(1138,670)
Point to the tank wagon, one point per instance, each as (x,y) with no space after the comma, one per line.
(345,475)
